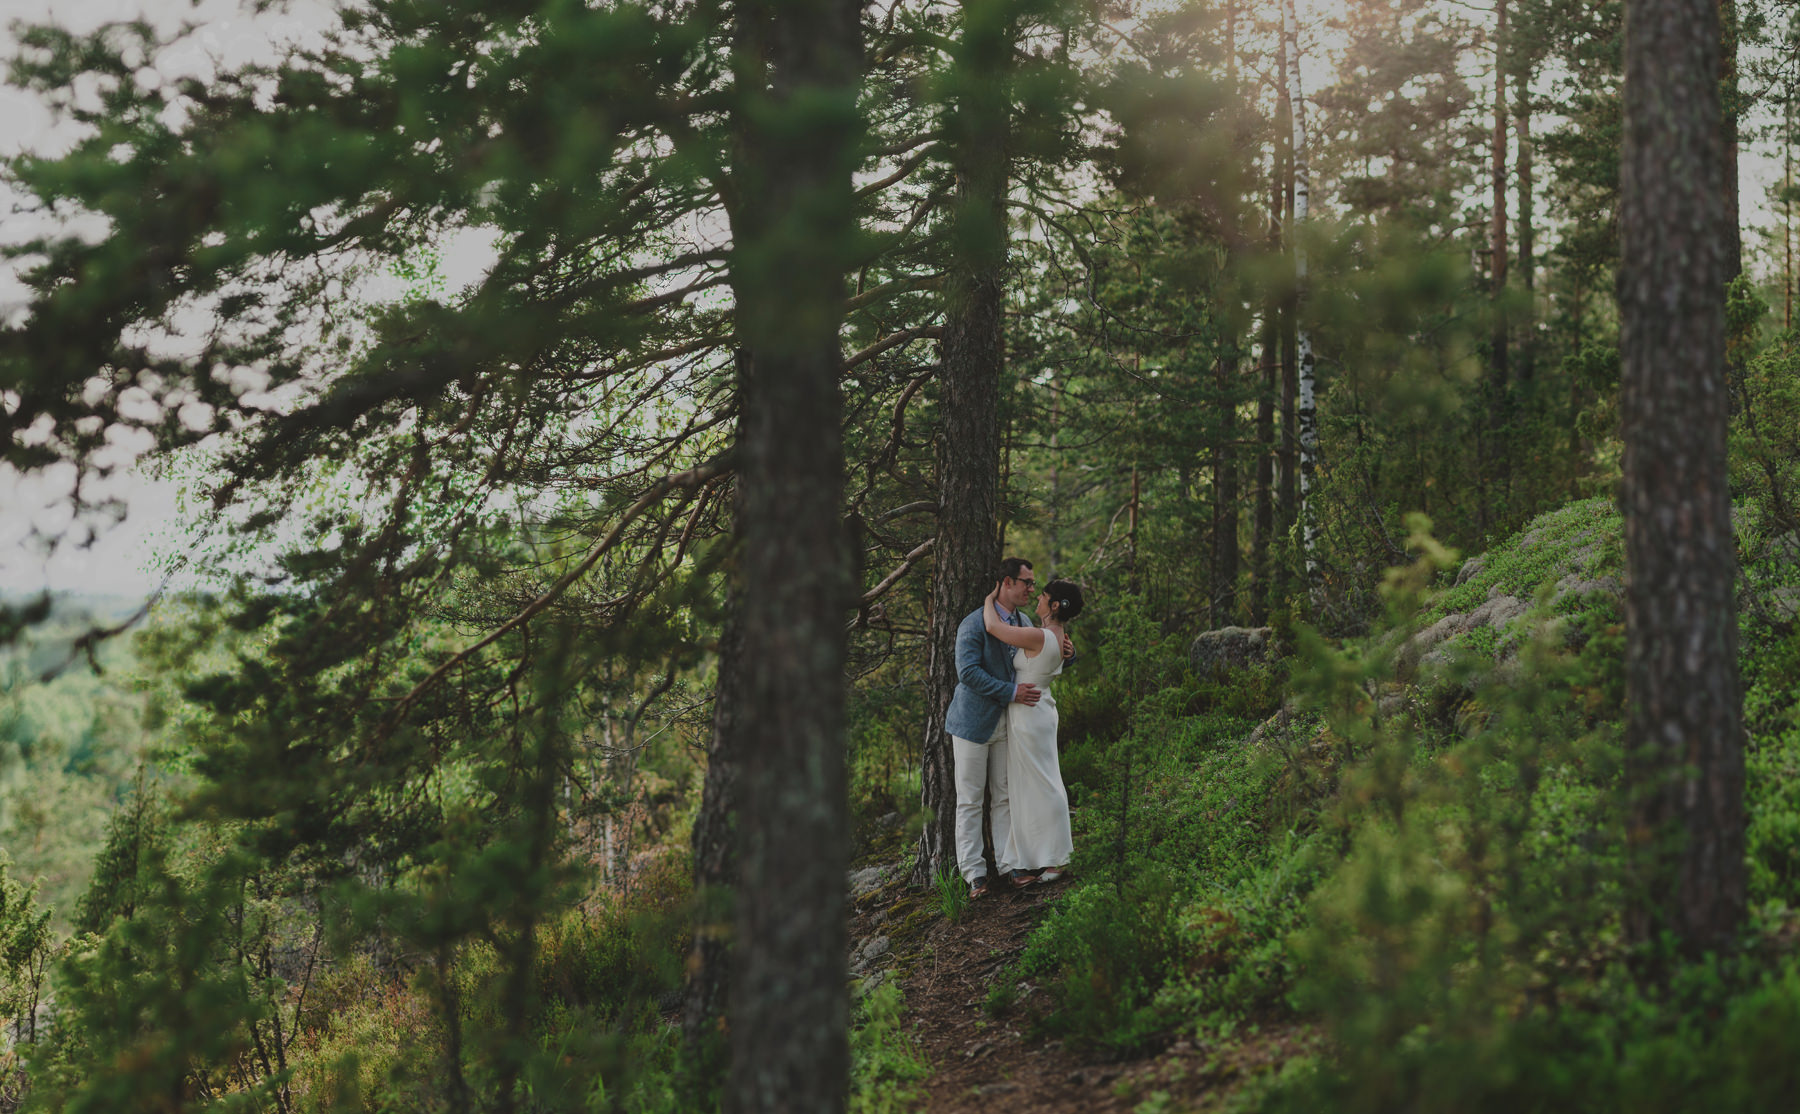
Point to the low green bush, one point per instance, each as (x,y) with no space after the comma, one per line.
(1181,891)
(885,1065)
(1431,873)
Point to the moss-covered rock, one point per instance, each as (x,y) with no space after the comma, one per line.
(1573,551)
(1217,652)
(1571,560)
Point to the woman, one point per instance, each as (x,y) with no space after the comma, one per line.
(1039,844)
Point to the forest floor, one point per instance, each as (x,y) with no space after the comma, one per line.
(998,1062)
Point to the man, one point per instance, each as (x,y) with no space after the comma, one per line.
(976,722)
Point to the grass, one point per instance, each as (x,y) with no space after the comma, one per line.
(953,895)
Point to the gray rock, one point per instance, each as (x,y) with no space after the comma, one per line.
(868,953)
(1470,569)
(1426,649)
(865,881)
(1583,558)
(1497,612)
(1228,648)
(1784,603)
(867,984)
(1428,640)
(1576,584)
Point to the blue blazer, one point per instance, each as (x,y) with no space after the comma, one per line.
(984,679)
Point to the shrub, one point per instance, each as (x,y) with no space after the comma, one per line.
(884,1063)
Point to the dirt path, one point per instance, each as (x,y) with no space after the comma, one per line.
(992,1063)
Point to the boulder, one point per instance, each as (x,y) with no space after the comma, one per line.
(1228,648)
(864,882)
(872,951)
(1577,585)
(1496,611)
(1425,647)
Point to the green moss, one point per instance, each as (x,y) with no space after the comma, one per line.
(1584,538)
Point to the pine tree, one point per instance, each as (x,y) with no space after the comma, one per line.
(1684,715)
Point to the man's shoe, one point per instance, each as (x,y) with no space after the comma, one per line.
(1022,878)
(978,887)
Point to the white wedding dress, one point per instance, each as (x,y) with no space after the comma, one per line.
(1040,805)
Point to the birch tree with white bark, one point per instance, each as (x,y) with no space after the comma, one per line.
(1306,412)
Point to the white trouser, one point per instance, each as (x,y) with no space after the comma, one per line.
(981,766)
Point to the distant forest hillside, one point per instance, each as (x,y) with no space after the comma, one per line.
(70,745)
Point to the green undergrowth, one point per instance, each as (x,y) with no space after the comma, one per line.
(885,1066)
(1582,540)
(1431,875)
(1188,880)
(600,972)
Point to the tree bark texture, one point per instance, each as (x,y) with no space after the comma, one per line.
(1225,453)
(968,444)
(1056,490)
(1684,760)
(1262,518)
(705,1001)
(1225,491)
(1306,413)
(1497,250)
(1730,110)
(1287,458)
(797,66)
(1527,231)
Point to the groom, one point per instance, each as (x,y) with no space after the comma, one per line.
(976,722)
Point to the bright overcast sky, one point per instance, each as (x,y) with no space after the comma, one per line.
(123,558)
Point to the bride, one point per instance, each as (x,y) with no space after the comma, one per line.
(1039,844)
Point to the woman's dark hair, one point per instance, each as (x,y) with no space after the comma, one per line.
(1065,598)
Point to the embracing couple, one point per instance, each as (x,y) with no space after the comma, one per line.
(1002,726)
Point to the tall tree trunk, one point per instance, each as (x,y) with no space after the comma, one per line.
(1225,492)
(1527,229)
(1730,109)
(1287,457)
(1262,520)
(1056,545)
(797,65)
(1225,455)
(1497,250)
(1306,417)
(968,447)
(705,1001)
(1131,534)
(1684,761)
